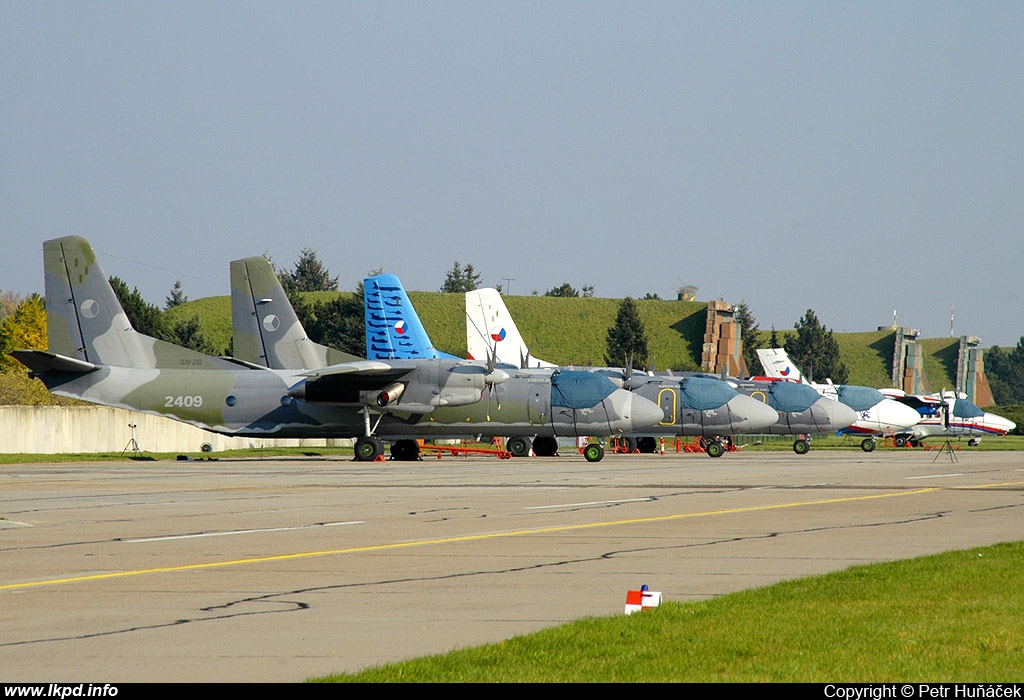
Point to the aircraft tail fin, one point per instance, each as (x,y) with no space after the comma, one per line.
(41,362)
(85,320)
(266,330)
(776,363)
(393,328)
(491,329)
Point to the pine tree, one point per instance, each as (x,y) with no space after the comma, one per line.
(566,290)
(309,275)
(749,336)
(815,351)
(176,298)
(461,279)
(627,339)
(144,317)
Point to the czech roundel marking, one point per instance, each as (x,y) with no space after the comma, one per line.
(499,336)
(400,328)
(785,372)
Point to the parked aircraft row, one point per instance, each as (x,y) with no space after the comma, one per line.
(281,384)
(944,414)
(857,409)
(798,409)
(265,320)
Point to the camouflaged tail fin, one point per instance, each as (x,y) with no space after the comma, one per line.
(85,320)
(266,330)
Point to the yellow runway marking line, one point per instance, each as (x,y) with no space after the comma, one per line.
(472,538)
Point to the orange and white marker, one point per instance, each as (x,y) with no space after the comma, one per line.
(641,600)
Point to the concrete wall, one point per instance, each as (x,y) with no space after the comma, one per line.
(85,429)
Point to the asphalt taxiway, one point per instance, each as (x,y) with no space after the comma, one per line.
(279,570)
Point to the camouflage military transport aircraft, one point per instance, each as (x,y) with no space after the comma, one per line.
(95,355)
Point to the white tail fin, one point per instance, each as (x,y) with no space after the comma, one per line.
(776,363)
(490,329)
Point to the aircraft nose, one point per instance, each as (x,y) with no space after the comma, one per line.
(839,414)
(896,415)
(644,414)
(999,423)
(754,416)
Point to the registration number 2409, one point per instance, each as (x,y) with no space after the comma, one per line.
(183,401)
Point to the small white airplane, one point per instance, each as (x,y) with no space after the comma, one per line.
(947,414)
(878,415)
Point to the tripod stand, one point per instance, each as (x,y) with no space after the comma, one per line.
(132,443)
(947,446)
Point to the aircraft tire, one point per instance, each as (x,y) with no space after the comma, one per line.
(519,446)
(545,446)
(647,445)
(593,452)
(368,449)
(868,445)
(405,450)
(801,447)
(715,449)
(900,441)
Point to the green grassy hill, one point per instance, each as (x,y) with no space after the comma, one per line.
(574,331)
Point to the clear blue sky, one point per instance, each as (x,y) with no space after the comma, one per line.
(855,158)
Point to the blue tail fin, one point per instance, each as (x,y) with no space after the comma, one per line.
(393,329)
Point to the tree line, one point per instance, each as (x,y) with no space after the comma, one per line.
(338,322)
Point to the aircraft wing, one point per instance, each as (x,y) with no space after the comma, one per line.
(364,368)
(397,386)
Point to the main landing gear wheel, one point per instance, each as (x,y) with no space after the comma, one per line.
(405,450)
(647,445)
(369,449)
(900,441)
(545,446)
(593,452)
(519,446)
(868,444)
(715,449)
(801,447)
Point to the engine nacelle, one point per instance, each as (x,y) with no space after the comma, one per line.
(390,394)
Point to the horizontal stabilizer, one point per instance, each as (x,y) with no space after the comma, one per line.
(41,361)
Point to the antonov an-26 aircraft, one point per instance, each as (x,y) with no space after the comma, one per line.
(95,355)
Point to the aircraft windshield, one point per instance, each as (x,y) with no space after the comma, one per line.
(575,389)
(704,393)
(859,398)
